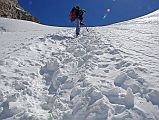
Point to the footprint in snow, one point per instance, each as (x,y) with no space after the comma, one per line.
(122,64)
(2,62)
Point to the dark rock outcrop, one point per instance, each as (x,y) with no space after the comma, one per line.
(11,9)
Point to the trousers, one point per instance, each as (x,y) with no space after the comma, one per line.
(77,27)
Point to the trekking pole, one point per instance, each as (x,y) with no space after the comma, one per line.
(86,27)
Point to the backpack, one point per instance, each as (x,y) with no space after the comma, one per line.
(73,14)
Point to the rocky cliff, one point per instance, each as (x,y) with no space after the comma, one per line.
(11,9)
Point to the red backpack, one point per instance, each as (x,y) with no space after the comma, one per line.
(73,14)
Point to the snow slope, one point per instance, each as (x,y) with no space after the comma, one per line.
(109,73)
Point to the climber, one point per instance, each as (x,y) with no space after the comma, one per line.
(76,14)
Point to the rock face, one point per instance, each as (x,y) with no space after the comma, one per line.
(11,9)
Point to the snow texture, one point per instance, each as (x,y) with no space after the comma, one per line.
(109,73)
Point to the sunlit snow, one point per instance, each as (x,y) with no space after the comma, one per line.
(108,73)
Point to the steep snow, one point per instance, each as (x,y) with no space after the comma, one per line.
(109,73)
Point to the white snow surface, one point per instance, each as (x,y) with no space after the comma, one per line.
(108,73)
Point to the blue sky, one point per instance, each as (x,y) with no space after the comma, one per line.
(99,12)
